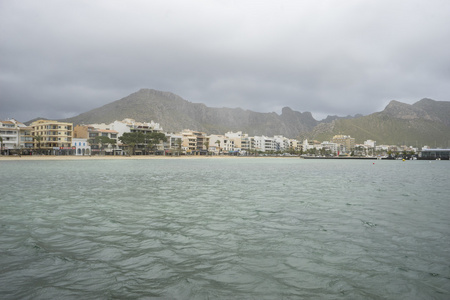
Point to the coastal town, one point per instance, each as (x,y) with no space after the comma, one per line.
(130,137)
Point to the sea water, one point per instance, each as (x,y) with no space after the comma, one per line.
(243,228)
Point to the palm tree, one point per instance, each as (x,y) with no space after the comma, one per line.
(218,144)
(207,147)
(179,142)
(38,138)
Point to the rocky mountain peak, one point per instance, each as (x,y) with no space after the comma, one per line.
(405,111)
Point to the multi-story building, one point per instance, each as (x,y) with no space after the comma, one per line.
(370,143)
(282,143)
(295,145)
(311,144)
(9,134)
(91,134)
(131,125)
(216,143)
(193,142)
(246,143)
(173,145)
(344,140)
(17,137)
(26,139)
(265,144)
(333,148)
(109,148)
(235,140)
(52,137)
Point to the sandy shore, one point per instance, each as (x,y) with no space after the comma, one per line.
(121,157)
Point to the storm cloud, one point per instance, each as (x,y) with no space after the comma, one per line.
(62,58)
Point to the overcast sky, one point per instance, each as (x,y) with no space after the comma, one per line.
(62,58)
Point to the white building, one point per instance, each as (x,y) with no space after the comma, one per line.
(82,146)
(129,125)
(265,143)
(174,143)
(370,143)
(217,143)
(16,136)
(281,143)
(332,147)
(311,144)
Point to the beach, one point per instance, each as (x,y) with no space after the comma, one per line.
(111,157)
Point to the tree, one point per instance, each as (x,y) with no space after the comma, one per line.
(218,144)
(104,140)
(404,153)
(207,146)
(131,139)
(1,145)
(113,143)
(151,139)
(38,138)
(179,143)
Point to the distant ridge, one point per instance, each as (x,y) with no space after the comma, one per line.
(174,114)
(426,122)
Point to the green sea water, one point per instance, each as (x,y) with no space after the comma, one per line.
(243,228)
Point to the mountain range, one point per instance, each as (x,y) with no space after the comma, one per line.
(426,122)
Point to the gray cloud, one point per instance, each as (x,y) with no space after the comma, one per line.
(62,58)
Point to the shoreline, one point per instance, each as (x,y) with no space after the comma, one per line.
(120,157)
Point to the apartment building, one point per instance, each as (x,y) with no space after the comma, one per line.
(246,143)
(295,145)
(265,143)
(91,134)
(129,125)
(26,140)
(108,148)
(239,142)
(173,145)
(346,141)
(281,143)
(52,137)
(193,142)
(9,134)
(370,143)
(216,143)
(333,148)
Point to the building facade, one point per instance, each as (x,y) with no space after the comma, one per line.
(193,142)
(16,138)
(81,146)
(9,136)
(52,137)
(346,141)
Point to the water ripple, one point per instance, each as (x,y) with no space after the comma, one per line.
(224,229)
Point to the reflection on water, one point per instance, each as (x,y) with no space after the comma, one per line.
(224,228)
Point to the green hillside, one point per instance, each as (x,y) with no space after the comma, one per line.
(392,131)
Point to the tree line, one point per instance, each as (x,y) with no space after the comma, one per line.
(148,140)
